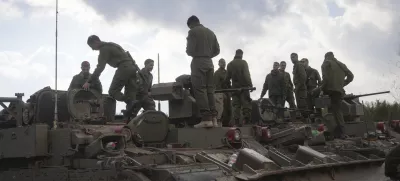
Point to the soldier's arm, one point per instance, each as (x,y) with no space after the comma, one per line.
(104,55)
(216,47)
(247,76)
(324,69)
(150,83)
(228,77)
(290,79)
(349,75)
(302,73)
(265,87)
(318,77)
(97,86)
(191,43)
(283,84)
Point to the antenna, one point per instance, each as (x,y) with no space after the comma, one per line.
(56,97)
(158,67)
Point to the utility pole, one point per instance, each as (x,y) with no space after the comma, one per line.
(56,96)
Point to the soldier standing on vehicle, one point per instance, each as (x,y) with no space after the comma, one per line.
(313,81)
(125,76)
(80,79)
(238,71)
(335,76)
(299,81)
(144,93)
(276,86)
(222,100)
(202,45)
(289,86)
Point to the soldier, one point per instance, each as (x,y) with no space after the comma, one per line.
(289,85)
(275,84)
(299,80)
(79,79)
(144,93)
(125,75)
(238,71)
(313,81)
(202,45)
(222,100)
(334,73)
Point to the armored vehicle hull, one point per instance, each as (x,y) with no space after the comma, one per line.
(85,146)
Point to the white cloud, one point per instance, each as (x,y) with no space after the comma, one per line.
(8,10)
(304,27)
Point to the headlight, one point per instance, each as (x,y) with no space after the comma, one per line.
(233,135)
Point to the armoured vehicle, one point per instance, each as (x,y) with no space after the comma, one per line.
(86,144)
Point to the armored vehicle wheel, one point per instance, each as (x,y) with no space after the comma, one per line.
(129,175)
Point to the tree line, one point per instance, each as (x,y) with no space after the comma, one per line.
(381,111)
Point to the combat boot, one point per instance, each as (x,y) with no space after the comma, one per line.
(206,122)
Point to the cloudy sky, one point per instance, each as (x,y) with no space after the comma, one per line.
(363,34)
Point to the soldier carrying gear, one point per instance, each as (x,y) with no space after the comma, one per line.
(222,100)
(144,93)
(202,45)
(313,81)
(334,73)
(238,72)
(80,79)
(289,85)
(276,87)
(299,81)
(125,75)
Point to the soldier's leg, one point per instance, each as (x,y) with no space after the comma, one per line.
(148,104)
(301,99)
(199,84)
(219,105)
(227,113)
(236,108)
(290,99)
(336,102)
(211,96)
(139,106)
(125,76)
(280,104)
(246,106)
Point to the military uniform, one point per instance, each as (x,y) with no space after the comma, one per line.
(222,100)
(80,79)
(313,81)
(276,86)
(202,45)
(299,81)
(125,75)
(289,89)
(333,81)
(146,102)
(238,71)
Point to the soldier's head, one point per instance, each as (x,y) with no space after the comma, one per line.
(294,57)
(282,65)
(275,66)
(94,42)
(222,63)
(192,21)
(85,67)
(239,54)
(329,56)
(149,64)
(304,61)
